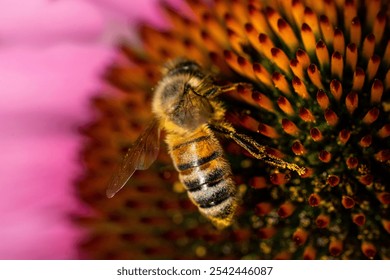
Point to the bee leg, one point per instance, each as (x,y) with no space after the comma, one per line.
(234,86)
(254,148)
(226,88)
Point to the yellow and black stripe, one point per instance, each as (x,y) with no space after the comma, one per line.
(205,173)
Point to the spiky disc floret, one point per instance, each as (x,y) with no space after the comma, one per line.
(318,94)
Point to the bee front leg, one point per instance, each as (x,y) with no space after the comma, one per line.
(234,86)
(254,148)
(217,90)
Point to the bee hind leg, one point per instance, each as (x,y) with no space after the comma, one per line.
(254,148)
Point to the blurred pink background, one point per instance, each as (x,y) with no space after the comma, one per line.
(51,55)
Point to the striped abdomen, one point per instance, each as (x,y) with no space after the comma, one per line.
(206,174)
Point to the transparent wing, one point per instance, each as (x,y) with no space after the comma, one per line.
(139,157)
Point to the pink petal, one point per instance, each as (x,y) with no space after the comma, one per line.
(46,81)
(45,21)
(133,11)
(129,14)
(44,97)
(59,79)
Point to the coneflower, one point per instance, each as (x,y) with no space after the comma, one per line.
(314,88)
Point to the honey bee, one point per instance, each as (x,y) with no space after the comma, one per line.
(185,105)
